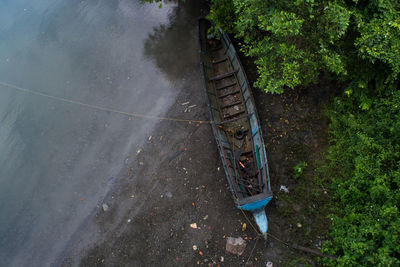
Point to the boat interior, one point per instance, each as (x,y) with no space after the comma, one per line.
(233,110)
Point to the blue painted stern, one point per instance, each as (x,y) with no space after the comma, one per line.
(257,208)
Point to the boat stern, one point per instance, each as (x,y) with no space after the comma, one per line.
(257,208)
(262,221)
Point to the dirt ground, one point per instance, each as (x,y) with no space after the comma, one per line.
(182,182)
(178,179)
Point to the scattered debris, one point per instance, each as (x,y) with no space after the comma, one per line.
(105,207)
(188,109)
(235,245)
(284,189)
(193,225)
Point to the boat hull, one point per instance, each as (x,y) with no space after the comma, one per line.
(236,126)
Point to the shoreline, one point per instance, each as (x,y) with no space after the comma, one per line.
(187,185)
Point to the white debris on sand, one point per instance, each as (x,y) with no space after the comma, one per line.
(105,207)
(284,189)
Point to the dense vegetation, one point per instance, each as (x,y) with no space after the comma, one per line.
(356,43)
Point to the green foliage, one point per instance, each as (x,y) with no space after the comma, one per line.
(293,41)
(222,14)
(299,169)
(364,164)
(379,33)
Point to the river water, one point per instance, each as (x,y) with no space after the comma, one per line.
(59,160)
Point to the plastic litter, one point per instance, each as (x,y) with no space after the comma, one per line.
(284,189)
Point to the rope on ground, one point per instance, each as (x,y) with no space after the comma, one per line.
(136,115)
(251,253)
(294,246)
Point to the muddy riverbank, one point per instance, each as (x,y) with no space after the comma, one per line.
(147,222)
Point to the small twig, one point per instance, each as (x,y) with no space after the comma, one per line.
(251,253)
(313,251)
(304,249)
(294,246)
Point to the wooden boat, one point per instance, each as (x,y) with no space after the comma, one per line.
(236,126)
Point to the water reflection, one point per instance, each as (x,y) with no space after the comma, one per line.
(173,46)
(56,159)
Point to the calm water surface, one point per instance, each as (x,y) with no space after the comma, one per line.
(59,160)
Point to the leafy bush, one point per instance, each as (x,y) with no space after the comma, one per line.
(299,169)
(364,163)
(293,41)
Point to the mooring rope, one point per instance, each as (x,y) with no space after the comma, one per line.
(136,115)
